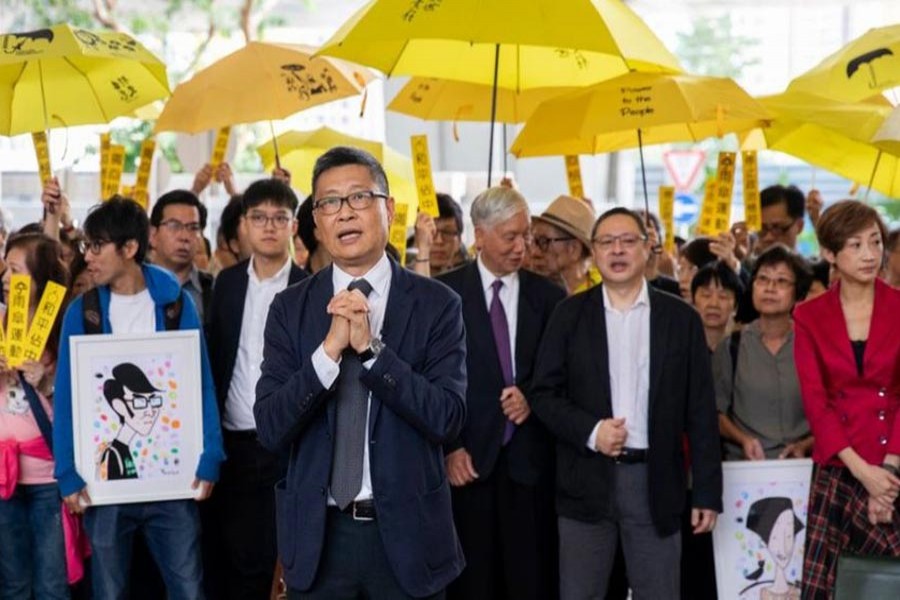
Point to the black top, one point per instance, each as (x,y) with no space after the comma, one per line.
(119,464)
(859,349)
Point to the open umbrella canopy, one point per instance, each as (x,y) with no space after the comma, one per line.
(63,76)
(888,135)
(868,65)
(664,107)
(299,151)
(259,82)
(832,135)
(445,100)
(534,44)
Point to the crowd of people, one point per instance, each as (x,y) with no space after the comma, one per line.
(543,415)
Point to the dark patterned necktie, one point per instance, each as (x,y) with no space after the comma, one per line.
(350,427)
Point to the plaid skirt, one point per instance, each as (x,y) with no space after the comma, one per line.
(838,522)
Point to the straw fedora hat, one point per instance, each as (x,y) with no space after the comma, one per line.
(575,217)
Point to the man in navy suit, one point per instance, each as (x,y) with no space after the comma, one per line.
(239,523)
(363,380)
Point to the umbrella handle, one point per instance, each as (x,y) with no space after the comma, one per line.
(275,145)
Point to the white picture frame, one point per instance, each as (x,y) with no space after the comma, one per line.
(137,439)
(757,498)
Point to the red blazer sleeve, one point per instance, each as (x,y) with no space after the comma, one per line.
(824,421)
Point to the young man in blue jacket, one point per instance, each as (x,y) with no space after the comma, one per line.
(133,297)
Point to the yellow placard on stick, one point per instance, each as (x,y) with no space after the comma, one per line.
(707,211)
(104,159)
(115,163)
(667,215)
(398,229)
(573,174)
(42,152)
(42,323)
(424,184)
(220,147)
(143,174)
(752,208)
(724,188)
(17,319)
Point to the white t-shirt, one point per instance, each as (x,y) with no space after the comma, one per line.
(134,313)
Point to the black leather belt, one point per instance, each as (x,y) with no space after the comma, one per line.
(631,456)
(361,510)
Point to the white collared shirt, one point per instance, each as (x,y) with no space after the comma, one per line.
(509,298)
(628,348)
(379,277)
(238,414)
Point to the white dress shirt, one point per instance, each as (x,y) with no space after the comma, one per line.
(509,298)
(379,277)
(242,391)
(628,348)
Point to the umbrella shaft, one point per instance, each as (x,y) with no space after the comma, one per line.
(493,114)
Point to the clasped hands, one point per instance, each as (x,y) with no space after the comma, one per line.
(883,488)
(349,312)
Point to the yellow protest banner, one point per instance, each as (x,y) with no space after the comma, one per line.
(573,174)
(17,319)
(707,211)
(724,188)
(42,323)
(398,229)
(104,158)
(424,184)
(752,209)
(220,147)
(140,194)
(42,152)
(115,163)
(667,215)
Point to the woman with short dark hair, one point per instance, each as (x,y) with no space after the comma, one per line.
(847,348)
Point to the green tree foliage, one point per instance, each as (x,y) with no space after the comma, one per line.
(712,48)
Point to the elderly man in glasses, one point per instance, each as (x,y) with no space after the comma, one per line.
(561,248)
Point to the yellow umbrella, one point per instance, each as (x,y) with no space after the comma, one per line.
(446,100)
(637,109)
(62,76)
(868,65)
(298,151)
(502,43)
(832,135)
(888,135)
(259,82)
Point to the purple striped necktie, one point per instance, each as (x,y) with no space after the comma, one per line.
(500,327)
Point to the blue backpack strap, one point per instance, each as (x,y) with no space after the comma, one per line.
(37,409)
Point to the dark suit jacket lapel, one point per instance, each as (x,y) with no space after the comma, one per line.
(316,323)
(659,334)
(397,314)
(597,345)
(478,320)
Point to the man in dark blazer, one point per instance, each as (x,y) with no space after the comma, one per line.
(622,376)
(363,381)
(239,532)
(501,464)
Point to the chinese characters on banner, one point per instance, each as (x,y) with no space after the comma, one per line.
(24,343)
(115,164)
(220,147)
(143,174)
(424,184)
(707,210)
(573,174)
(398,229)
(104,158)
(667,215)
(752,209)
(42,151)
(724,188)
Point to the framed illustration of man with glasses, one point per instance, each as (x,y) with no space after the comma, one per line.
(137,415)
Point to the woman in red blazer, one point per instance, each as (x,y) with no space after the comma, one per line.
(847,351)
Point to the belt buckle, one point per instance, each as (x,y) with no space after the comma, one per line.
(358,518)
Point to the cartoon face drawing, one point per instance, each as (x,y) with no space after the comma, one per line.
(133,398)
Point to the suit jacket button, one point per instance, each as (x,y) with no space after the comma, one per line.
(322,491)
(882,392)
(883,440)
(881,415)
